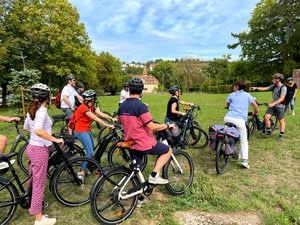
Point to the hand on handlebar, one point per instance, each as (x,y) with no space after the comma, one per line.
(16,119)
(171,125)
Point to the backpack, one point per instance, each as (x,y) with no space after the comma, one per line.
(57,101)
(286,99)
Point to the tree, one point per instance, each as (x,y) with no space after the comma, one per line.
(270,42)
(108,70)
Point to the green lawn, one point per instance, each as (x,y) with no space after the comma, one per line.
(271,188)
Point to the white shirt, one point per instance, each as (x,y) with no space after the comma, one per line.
(123,95)
(70,92)
(41,121)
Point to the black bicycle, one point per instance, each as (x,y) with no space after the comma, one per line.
(253,122)
(191,133)
(114,196)
(11,195)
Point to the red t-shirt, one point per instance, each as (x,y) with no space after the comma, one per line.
(82,121)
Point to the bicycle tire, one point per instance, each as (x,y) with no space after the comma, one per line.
(251,127)
(202,138)
(8,201)
(179,181)
(105,205)
(120,157)
(222,159)
(22,159)
(273,121)
(67,188)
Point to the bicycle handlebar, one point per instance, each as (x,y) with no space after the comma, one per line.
(5,158)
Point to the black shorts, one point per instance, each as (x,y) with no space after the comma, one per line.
(276,111)
(158,149)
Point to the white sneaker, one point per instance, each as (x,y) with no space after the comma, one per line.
(293,113)
(245,163)
(157,180)
(4,165)
(45,221)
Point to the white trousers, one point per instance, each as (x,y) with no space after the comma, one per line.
(241,126)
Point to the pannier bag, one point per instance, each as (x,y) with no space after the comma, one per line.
(231,137)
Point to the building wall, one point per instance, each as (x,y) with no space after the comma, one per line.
(150,88)
(296,76)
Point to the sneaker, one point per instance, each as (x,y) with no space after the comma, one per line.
(293,113)
(81,176)
(157,180)
(45,221)
(245,163)
(266,133)
(280,137)
(4,165)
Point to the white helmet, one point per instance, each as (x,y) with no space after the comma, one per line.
(40,90)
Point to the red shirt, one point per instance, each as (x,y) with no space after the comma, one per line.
(82,121)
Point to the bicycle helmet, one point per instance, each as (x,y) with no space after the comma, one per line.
(136,85)
(89,95)
(80,85)
(172,90)
(278,76)
(70,77)
(40,90)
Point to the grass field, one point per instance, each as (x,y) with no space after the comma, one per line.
(270,188)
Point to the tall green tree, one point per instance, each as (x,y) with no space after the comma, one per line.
(108,71)
(271,41)
(47,35)
(167,73)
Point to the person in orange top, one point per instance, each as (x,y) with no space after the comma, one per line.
(84,115)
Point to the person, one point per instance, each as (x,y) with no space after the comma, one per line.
(124,93)
(277,107)
(80,90)
(3,138)
(291,94)
(138,127)
(84,115)
(173,113)
(68,96)
(39,124)
(237,103)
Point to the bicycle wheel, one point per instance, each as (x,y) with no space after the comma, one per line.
(250,127)
(22,159)
(196,137)
(67,188)
(180,173)
(222,159)
(121,157)
(8,201)
(106,206)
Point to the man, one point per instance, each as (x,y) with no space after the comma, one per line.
(277,107)
(138,127)
(237,103)
(68,95)
(80,90)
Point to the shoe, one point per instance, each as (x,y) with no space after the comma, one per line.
(45,221)
(293,113)
(140,203)
(266,133)
(245,163)
(4,165)
(280,137)
(157,180)
(81,176)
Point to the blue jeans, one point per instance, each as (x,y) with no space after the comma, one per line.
(67,111)
(87,140)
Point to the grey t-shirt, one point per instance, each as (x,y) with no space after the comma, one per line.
(276,92)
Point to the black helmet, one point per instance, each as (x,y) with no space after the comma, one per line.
(80,85)
(70,77)
(89,95)
(40,91)
(172,90)
(136,85)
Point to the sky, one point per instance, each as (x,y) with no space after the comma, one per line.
(144,30)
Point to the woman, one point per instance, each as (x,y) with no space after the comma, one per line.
(291,94)
(39,124)
(84,115)
(173,113)
(238,102)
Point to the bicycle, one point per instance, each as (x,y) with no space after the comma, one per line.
(114,196)
(10,196)
(191,133)
(253,122)
(224,145)
(61,122)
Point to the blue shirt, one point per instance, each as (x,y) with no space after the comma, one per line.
(239,102)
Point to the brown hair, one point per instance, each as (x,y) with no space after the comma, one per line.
(35,104)
(241,84)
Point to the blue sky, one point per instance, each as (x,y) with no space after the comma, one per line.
(143,30)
